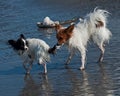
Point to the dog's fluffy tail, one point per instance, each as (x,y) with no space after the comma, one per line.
(97,21)
(98,17)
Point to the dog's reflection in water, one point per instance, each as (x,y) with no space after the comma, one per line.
(80,83)
(34,87)
(90,84)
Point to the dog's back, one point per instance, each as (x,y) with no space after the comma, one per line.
(38,50)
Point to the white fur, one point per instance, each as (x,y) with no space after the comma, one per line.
(48,21)
(86,30)
(37,51)
(25,47)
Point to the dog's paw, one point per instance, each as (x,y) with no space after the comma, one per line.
(82,68)
(28,73)
(44,73)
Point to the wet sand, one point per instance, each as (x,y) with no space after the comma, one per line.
(18,17)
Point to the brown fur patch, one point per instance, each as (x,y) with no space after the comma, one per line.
(99,24)
(64,34)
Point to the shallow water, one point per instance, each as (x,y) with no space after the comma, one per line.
(20,16)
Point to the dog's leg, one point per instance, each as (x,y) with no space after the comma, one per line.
(102,49)
(70,57)
(27,64)
(41,61)
(83,58)
(45,68)
(24,64)
(30,66)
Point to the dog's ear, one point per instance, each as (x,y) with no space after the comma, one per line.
(22,36)
(12,42)
(69,30)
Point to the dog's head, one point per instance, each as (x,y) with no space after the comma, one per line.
(62,35)
(20,45)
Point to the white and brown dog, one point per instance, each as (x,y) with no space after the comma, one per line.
(31,50)
(92,27)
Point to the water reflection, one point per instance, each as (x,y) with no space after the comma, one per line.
(86,85)
(80,86)
(101,85)
(105,83)
(34,87)
(20,16)
(47,32)
(101,82)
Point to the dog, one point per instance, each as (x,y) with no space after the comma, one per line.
(76,36)
(31,50)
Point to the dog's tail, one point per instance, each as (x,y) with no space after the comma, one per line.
(98,20)
(98,17)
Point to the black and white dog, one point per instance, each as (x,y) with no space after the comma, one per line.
(31,50)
